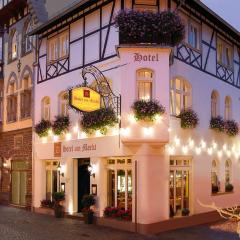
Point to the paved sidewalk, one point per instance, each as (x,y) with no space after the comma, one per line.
(16,224)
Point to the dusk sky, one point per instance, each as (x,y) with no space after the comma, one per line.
(227,9)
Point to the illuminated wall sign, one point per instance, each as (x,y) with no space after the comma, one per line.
(84,99)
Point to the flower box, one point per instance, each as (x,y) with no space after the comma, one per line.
(147,110)
(164,28)
(231,128)
(189,119)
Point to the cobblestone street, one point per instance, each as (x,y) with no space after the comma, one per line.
(16,224)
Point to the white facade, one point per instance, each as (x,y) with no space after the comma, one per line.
(150,148)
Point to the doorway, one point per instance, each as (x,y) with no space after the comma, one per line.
(83,180)
(19,183)
(179,184)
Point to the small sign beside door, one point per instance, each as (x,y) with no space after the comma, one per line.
(57,149)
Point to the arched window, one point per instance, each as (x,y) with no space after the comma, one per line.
(46,108)
(180,95)
(27,40)
(214,174)
(214,104)
(144,84)
(63,104)
(11,102)
(13,42)
(228,166)
(26,97)
(228,108)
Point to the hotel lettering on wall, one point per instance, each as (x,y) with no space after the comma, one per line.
(138,57)
(84,99)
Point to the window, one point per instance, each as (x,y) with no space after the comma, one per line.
(194,34)
(214,104)
(63,104)
(13,46)
(180,95)
(12,104)
(144,84)
(58,47)
(228,166)
(52,178)
(27,40)
(46,108)
(26,99)
(120,183)
(214,175)
(224,53)
(1,48)
(228,108)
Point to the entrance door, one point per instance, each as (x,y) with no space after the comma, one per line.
(179,184)
(19,180)
(83,180)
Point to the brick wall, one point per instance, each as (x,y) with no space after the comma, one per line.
(16,145)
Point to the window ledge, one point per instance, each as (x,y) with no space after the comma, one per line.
(193,48)
(12,60)
(26,53)
(57,60)
(9,122)
(230,68)
(25,118)
(221,193)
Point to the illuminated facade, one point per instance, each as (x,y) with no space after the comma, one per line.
(159,170)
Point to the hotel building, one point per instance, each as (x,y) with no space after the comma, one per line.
(154,170)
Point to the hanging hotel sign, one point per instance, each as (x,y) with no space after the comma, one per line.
(84,99)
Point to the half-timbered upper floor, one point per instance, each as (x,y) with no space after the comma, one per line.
(85,34)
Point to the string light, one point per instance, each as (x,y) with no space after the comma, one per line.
(203,144)
(55,138)
(185,149)
(68,136)
(44,139)
(83,135)
(158,118)
(75,128)
(210,151)
(219,154)
(50,132)
(131,119)
(125,131)
(191,143)
(98,133)
(198,150)
(148,131)
(177,141)
(214,145)
(171,150)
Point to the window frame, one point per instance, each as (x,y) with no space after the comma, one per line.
(56,40)
(62,101)
(214,92)
(43,107)
(222,57)
(193,23)
(143,80)
(173,93)
(228,108)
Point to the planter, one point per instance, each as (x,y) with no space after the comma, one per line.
(88,217)
(215,189)
(59,211)
(229,187)
(185,212)
(44,210)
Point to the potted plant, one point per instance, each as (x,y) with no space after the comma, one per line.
(98,120)
(229,187)
(87,202)
(185,212)
(118,213)
(42,128)
(189,119)
(61,125)
(231,128)
(147,110)
(58,208)
(215,189)
(217,124)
